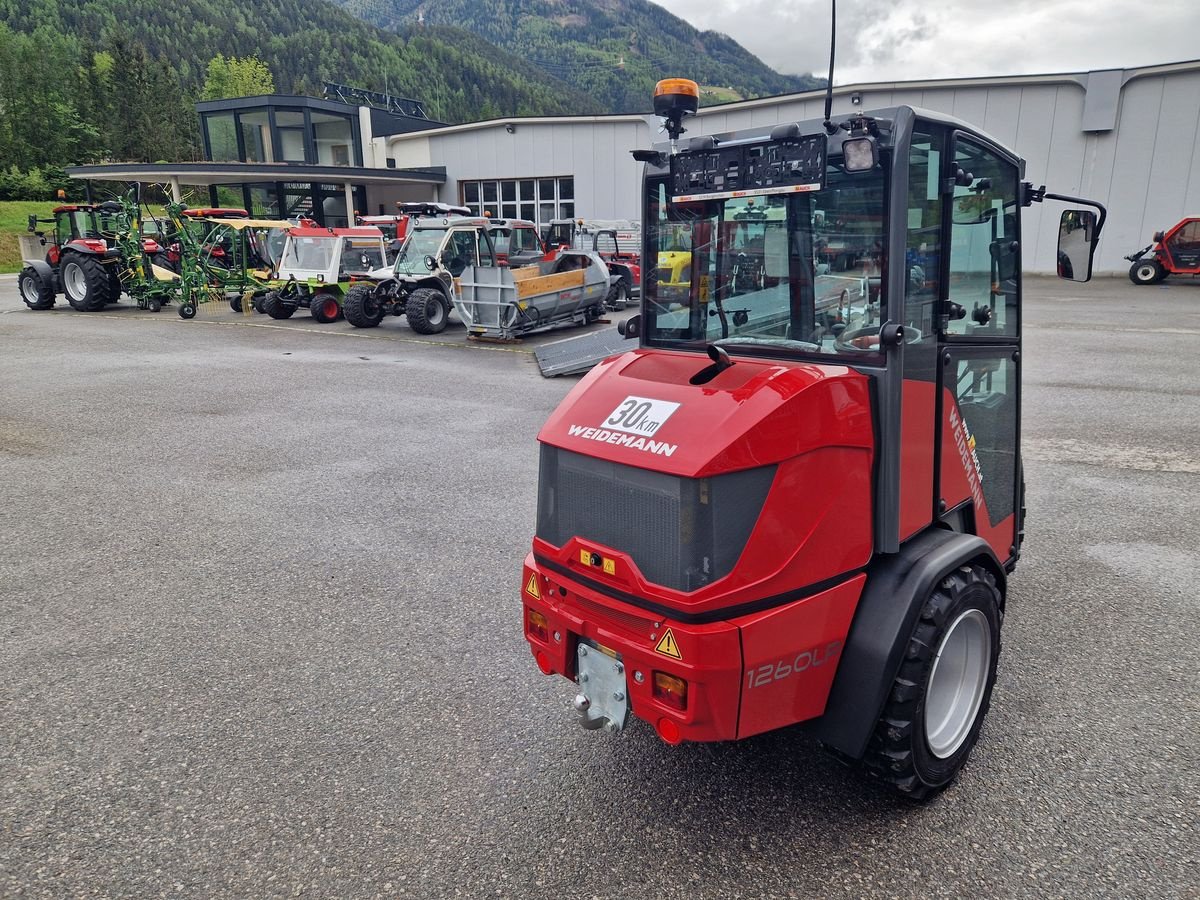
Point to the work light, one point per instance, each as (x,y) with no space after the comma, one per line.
(858,154)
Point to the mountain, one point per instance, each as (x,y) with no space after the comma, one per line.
(613,50)
(306,42)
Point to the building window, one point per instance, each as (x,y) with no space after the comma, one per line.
(539,200)
(334,137)
(222,137)
(289,123)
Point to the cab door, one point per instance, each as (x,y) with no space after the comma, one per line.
(979,326)
(1183,248)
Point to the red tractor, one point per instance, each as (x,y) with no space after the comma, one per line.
(758,518)
(1174,252)
(82,259)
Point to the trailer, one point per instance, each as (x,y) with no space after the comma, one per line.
(500,303)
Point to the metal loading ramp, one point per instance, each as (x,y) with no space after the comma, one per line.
(574,356)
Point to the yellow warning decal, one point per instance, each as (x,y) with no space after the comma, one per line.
(610,566)
(532,588)
(585,557)
(667,646)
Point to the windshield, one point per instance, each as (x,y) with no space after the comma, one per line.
(786,273)
(309,254)
(421,242)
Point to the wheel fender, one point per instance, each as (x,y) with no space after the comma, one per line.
(618,272)
(896,589)
(42,269)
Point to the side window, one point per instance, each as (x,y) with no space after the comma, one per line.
(484,255)
(923,249)
(460,252)
(62,228)
(985,257)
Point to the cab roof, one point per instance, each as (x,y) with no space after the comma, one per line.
(309,231)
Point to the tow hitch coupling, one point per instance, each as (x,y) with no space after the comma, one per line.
(602,701)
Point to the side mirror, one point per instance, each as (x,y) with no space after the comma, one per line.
(1076,244)
(631,327)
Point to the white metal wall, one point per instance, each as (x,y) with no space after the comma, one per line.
(595,152)
(1146,170)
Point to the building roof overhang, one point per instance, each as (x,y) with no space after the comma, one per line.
(209,173)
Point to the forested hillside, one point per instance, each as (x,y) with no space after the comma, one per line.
(615,50)
(117,79)
(89,80)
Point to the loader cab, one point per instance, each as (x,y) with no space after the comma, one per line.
(446,245)
(892,247)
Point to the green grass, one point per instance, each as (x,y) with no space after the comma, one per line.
(713,94)
(14,214)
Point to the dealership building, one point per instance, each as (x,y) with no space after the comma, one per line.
(1129,139)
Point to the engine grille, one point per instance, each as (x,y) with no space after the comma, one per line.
(683,533)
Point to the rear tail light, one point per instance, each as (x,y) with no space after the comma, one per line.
(670,690)
(537,626)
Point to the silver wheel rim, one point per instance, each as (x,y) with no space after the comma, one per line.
(434,312)
(29,290)
(957,683)
(74,281)
(1145,273)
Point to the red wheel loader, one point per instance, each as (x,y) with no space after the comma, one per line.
(763,516)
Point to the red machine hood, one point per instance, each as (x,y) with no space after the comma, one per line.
(639,409)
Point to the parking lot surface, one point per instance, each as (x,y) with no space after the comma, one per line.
(260,635)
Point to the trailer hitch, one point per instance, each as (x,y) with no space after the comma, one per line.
(602,701)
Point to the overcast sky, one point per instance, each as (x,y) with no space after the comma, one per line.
(885,40)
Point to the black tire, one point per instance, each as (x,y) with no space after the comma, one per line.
(257,303)
(235,303)
(361,307)
(154,304)
(187,310)
(36,293)
(427,311)
(85,282)
(274,306)
(324,308)
(618,296)
(114,285)
(1147,271)
(902,751)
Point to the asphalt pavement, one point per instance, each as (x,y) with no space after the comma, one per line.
(260,635)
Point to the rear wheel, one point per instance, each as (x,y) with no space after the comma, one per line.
(324,308)
(257,303)
(362,307)
(235,303)
(85,282)
(427,311)
(942,692)
(618,297)
(36,293)
(1147,271)
(275,307)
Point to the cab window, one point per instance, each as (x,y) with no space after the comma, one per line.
(985,253)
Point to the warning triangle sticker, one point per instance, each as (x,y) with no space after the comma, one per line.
(667,646)
(532,587)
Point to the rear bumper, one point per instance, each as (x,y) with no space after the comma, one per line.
(744,676)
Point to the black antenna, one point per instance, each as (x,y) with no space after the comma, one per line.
(829,126)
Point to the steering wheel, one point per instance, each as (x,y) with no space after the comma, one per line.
(866,340)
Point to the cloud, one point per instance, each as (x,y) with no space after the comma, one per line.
(885,40)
